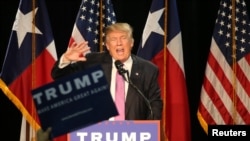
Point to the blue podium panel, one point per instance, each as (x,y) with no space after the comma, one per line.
(132,130)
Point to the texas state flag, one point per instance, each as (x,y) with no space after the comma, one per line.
(29,58)
(161,43)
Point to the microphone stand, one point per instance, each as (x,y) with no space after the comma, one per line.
(140,92)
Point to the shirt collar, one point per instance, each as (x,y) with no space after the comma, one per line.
(127,64)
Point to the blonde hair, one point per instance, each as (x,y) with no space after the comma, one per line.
(125,27)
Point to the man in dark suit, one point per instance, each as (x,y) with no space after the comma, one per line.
(119,42)
(143,102)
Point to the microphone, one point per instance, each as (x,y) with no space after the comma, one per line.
(119,65)
(121,70)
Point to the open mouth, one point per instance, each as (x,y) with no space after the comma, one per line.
(119,51)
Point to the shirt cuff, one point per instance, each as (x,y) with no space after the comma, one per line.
(63,64)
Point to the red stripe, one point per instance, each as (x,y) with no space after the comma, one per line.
(243,79)
(208,87)
(243,111)
(247,57)
(206,114)
(71,40)
(22,85)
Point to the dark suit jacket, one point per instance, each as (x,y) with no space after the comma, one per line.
(143,75)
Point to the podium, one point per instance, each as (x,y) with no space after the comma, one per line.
(129,130)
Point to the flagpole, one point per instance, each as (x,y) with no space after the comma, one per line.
(234,61)
(165,71)
(33,44)
(101,28)
(33,72)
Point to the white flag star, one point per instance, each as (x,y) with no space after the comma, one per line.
(151,26)
(24,24)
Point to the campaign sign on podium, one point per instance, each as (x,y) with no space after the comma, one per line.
(74,102)
(128,130)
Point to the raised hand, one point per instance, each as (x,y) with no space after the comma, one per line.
(76,52)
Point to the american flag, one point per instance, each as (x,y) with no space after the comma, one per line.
(168,56)
(92,18)
(225,93)
(30,55)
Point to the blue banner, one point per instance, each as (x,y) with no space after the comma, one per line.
(74,102)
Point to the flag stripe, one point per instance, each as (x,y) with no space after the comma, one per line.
(76,36)
(175,48)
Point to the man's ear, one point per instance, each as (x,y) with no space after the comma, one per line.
(107,48)
(132,43)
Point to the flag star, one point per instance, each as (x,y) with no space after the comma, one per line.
(24,24)
(152,27)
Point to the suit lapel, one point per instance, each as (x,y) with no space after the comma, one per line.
(134,77)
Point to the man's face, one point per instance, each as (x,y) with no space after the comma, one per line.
(119,45)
